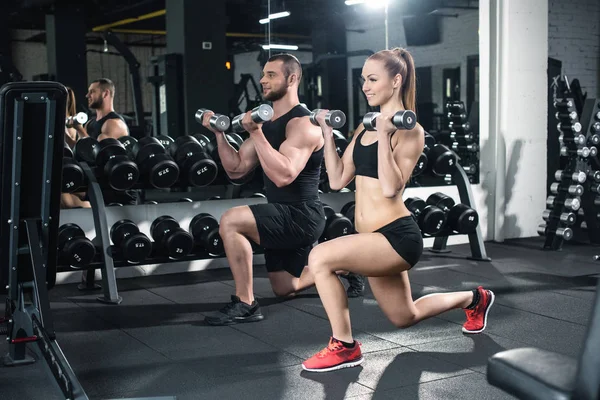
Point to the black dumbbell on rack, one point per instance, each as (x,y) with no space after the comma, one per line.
(110,157)
(431,219)
(74,248)
(348,211)
(336,225)
(170,239)
(134,245)
(575,190)
(72,173)
(459,217)
(205,231)
(157,167)
(209,142)
(196,166)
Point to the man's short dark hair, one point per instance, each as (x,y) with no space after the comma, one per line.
(106,84)
(291,65)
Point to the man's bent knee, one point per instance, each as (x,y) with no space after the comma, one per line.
(233,222)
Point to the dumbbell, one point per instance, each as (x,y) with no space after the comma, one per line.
(81,118)
(157,167)
(209,142)
(595,128)
(473,148)
(462,137)
(470,169)
(561,104)
(128,142)
(595,175)
(185,200)
(73,176)
(441,160)
(205,231)
(259,115)
(568,218)
(565,233)
(457,118)
(336,225)
(459,217)
(569,127)
(574,203)
(594,140)
(170,238)
(341,143)
(166,141)
(579,176)
(460,126)
(151,202)
(348,211)
(420,166)
(74,248)
(458,106)
(405,119)
(255,196)
(134,245)
(430,219)
(566,116)
(111,157)
(577,139)
(575,190)
(218,122)
(334,118)
(583,152)
(196,166)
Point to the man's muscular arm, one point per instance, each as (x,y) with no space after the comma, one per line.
(283,166)
(113,128)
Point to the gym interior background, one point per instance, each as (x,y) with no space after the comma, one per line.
(501,58)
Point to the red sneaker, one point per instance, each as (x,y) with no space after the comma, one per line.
(477,317)
(334,356)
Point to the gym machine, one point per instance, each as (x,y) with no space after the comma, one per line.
(32,116)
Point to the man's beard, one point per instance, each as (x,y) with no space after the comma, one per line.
(96,104)
(275,95)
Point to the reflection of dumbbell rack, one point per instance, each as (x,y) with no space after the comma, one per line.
(462,139)
(478,252)
(573,206)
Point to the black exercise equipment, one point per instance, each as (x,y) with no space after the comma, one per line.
(32,124)
(348,211)
(170,238)
(75,249)
(209,142)
(196,166)
(441,161)
(166,141)
(431,219)
(536,374)
(112,158)
(205,230)
(72,173)
(459,217)
(567,218)
(578,176)
(157,167)
(336,225)
(134,245)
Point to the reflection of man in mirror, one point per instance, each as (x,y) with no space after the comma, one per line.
(290,151)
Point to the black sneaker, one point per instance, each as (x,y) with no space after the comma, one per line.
(357,285)
(235,312)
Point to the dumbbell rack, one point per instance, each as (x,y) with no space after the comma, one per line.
(478,252)
(575,163)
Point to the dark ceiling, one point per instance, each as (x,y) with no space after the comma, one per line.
(242,15)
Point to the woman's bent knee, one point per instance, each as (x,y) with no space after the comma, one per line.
(403,321)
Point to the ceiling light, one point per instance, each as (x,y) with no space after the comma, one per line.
(274,16)
(279,47)
(370,3)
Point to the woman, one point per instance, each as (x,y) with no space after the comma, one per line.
(389,241)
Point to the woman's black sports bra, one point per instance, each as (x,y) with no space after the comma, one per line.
(365,157)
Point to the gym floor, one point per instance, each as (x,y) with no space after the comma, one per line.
(156,344)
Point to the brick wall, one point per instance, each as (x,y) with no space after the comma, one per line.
(574,39)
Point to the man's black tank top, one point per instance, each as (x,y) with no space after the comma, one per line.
(306,185)
(94,128)
(365,157)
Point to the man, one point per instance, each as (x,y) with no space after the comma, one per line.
(107,123)
(290,151)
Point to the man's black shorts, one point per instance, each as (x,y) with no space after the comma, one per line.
(287,232)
